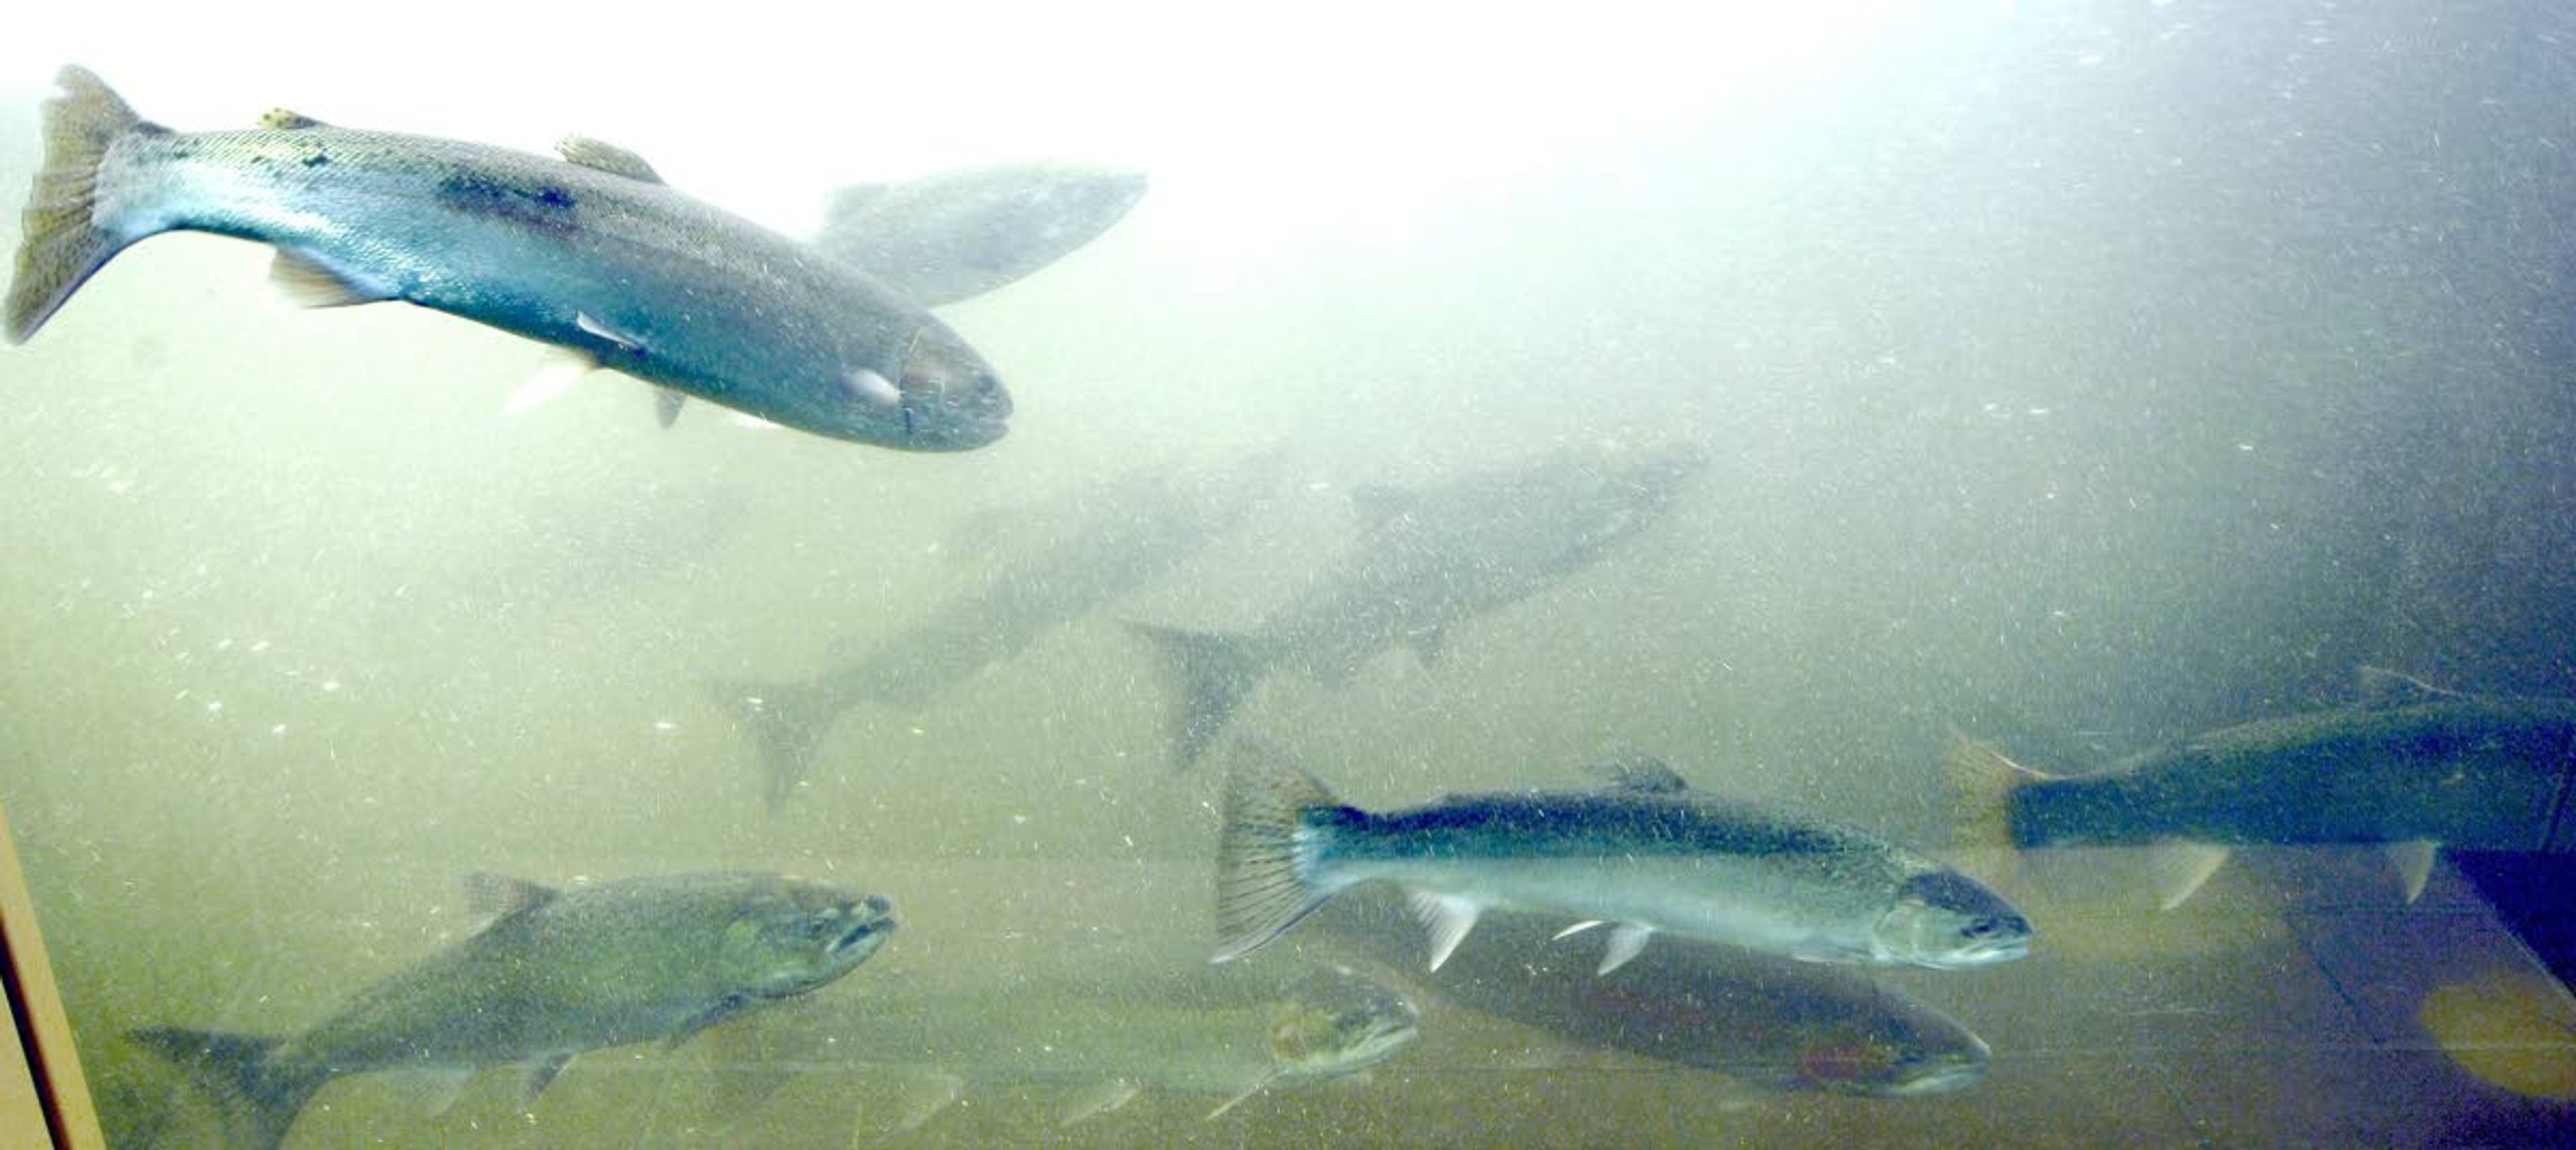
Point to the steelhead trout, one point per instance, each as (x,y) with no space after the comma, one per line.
(2410,766)
(592,253)
(1648,854)
(558,973)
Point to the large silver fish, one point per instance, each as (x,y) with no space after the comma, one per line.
(1063,559)
(1427,560)
(1779,1023)
(1647,854)
(592,253)
(2411,766)
(558,973)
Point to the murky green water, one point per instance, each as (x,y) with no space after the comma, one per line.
(2084,379)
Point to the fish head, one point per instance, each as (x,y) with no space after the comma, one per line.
(1892,1057)
(1337,1022)
(1946,920)
(942,397)
(789,937)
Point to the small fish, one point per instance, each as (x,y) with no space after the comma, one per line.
(1048,566)
(955,234)
(1427,561)
(1648,854)
(1758,1018)
(558,972)
(593,254)
(1109,1036)
(2409,765)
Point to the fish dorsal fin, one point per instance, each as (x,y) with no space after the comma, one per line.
(2379,688)
(606,157)
(1378,504)
(1640,775)
(282,120)
(847,203)
(501,896)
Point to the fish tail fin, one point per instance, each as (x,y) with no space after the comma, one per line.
(1982,783)
(786,724)
(1215,671)
(257,1098)
(63,244)
(1278,821)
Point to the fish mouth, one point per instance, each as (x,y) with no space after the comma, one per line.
(875,919)
(940,423)
(1940,1079)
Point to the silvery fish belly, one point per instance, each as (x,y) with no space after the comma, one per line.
(592,253)
(1644,855)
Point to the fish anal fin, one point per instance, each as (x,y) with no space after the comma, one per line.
(666,406)
(724,1008)
(307,282)
(2414,861)
(1626,940)
(1446,918)
(924,1097)
(603,156)
(2180,868)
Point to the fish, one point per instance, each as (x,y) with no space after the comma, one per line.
(957,234)
(556,973)
(1055,563)
(1426,561)
(1775,1022)
(592,254)
(1108,1037)
(2408,765)
(1646,854)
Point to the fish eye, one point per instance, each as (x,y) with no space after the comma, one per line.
(1982,928)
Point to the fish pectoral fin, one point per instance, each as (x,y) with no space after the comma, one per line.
(1575,929)
(1099,1100)
(726,1007)
(1258,1085)
(549,382)
(666,405)
(603,156)
(591,325)
(2179,868)
(541,1074)
(283,120)
(1626,940)
(1447,917)
(308,282)
(2414,861)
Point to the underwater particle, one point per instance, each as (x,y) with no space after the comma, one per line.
(2513,1029)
